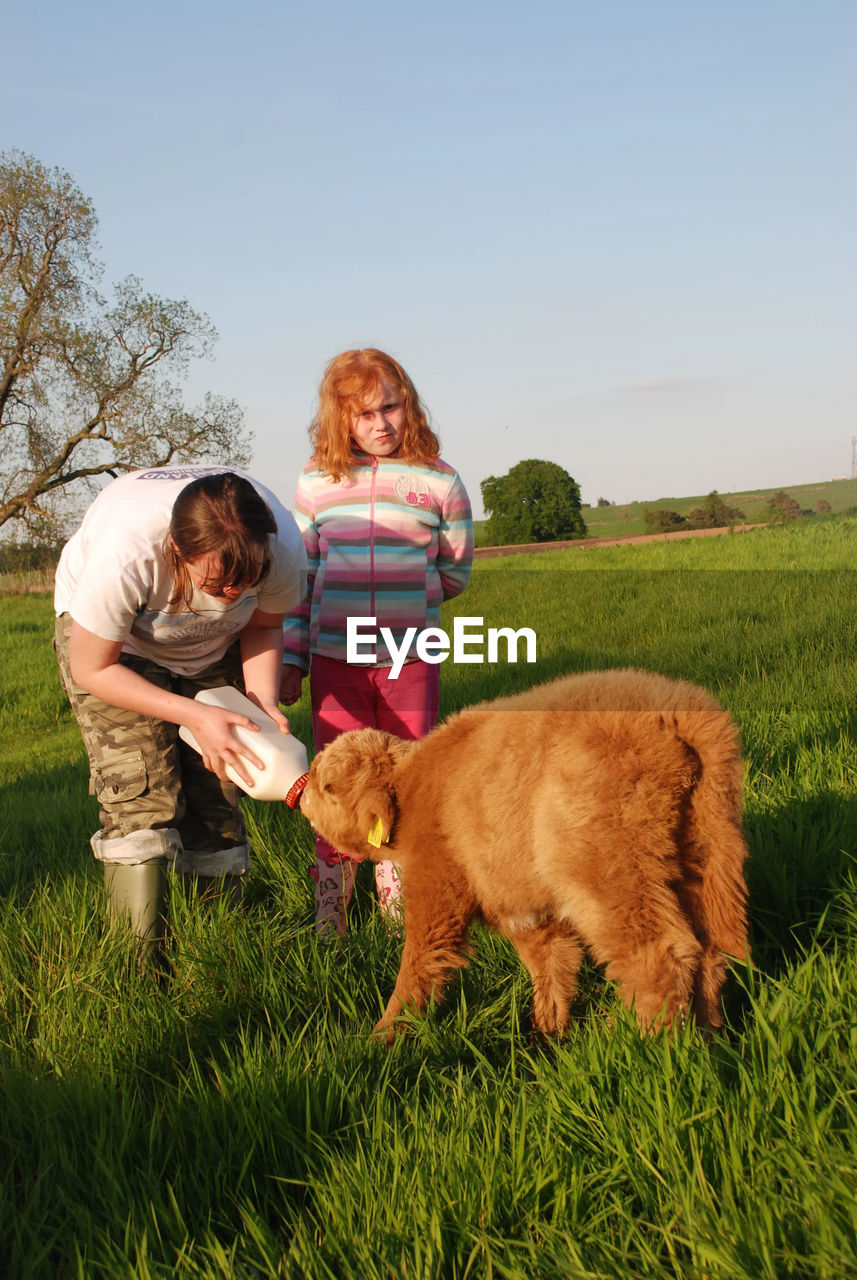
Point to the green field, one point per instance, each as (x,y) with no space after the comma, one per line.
(629,519)
(239,1121)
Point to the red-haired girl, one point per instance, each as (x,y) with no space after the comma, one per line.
(388,532)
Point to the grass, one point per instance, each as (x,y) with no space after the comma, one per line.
(26,581)
(238,1120)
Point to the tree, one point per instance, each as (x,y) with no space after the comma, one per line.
(87,385)
(534,502)
(663,520)
(781,507)
(713,514)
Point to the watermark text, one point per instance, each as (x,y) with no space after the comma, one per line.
(469,643)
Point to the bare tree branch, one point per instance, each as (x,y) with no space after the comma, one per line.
(88,385)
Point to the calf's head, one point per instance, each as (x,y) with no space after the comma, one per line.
(350,796)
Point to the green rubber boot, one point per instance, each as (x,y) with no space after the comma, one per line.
(136,893)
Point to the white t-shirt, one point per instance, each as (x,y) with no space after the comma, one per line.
(113,579)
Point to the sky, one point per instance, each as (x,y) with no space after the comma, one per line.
(617,236)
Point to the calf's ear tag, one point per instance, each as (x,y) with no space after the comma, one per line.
(376,833)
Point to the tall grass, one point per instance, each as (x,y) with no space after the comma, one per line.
(237,1120)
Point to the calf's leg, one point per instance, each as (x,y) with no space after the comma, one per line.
(654,956)
(437,920)
(552,954)
(712,894)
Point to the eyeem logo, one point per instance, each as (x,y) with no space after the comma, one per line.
(432,644)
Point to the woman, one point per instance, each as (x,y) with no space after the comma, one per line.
(177,580)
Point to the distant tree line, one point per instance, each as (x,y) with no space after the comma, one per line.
(716,514)
(538,501)
(28,557)
(713,514)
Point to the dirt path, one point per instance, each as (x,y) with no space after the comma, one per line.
(527,548)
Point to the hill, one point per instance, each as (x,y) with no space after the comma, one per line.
(614,522)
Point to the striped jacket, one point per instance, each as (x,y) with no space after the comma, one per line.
(389,541)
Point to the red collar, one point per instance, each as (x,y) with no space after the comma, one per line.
(296,789)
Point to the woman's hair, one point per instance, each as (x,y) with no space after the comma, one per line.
(223,514)
(349,382)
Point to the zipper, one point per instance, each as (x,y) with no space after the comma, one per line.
(372,537)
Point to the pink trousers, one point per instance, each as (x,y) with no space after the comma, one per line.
(357,697)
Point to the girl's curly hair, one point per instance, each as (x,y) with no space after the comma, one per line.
(349,382)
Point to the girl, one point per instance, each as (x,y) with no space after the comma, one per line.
(388,532)
(178,580)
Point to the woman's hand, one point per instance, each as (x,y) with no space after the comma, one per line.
(271,709)
(261,660)
(218,745)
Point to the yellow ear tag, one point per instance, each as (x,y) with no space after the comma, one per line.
(376,834)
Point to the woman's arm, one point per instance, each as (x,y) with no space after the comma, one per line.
(261,657)
(95,666)
(297,624)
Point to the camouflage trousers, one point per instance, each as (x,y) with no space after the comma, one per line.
(157,799)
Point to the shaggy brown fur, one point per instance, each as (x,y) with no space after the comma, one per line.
(599,810)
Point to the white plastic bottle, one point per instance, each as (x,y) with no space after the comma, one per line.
(284,756)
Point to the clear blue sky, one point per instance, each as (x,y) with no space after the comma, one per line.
(619,236)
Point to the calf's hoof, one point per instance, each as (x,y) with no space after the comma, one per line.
(385,1031)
